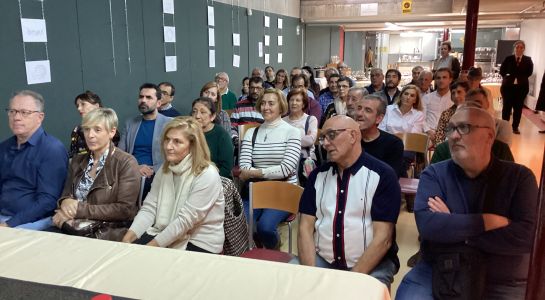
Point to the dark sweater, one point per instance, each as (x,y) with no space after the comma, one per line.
(221,149)
(387,148)
(171,112)
(499,149)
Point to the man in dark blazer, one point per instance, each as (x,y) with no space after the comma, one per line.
(541,99)
(515,71)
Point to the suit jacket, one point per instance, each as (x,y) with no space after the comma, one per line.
(129,136)
(509,71)
(541,99)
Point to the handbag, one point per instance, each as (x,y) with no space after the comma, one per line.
(81,227)
(235,226)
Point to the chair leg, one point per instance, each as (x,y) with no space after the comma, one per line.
(289,237)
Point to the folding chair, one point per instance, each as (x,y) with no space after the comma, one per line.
(415,142)
(278,195)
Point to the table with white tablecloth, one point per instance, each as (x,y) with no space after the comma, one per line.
(146,272)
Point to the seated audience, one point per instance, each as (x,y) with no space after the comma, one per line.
(424,82)
(308,126)
(218,140)
(210,90)
(102,185)
(245,109)
(185,207)
(476,218)
(458,91)
(338,106)
(349,208)
(327,73)
(269,152)
(167,91)
(377,81)
(406,114)
(437,101)
(415,72)
(332,92)
(390,93)
(227,99)
(300,81)
(85,103)
(281,80)
(245,88)
(313,86)
(32,166)
(369,112)
(269,76)
(479,97)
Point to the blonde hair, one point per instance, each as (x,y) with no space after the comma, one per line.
(101,115)
(279,96)
(418,104)
(191,129)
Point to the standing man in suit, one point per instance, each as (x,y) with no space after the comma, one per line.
(142,135)
(515,71)
(541,99)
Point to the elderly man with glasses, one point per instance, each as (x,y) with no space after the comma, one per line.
(349,208)
(33,166)
(476,219)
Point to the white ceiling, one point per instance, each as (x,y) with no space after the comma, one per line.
(425,14)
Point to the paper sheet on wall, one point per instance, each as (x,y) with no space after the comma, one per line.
(170,34)
(280,23)
(171,64)
(212,58)
(266,58)
(210,16)
(369,9)
(236,61)
(280,40)
(267,21)
(34,30)
(236,39)
(267,40)
(168,6)
(280,58)
(211,39)
(260,49)
(38,71)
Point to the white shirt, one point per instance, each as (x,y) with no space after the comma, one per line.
(396,122)
(434,106)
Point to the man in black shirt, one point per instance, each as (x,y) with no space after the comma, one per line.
(369,112)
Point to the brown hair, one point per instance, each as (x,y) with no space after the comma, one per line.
(279,96)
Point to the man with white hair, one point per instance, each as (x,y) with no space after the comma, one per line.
(476,218)
(228,98)
(33,166)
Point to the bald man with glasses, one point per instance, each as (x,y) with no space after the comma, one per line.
(476,219)
(349,208)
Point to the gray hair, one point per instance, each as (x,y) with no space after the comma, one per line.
(100,116)
(38,98)
(364,92)
(220,74)
(376,70)
(381,109)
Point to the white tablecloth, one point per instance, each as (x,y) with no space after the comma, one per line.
(145,272)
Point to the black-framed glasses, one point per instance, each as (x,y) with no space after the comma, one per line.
(462,128)
(23,112)
(330,135)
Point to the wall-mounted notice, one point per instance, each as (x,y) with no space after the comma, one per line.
(38,71)
(212,58)
(236,61)
(170,34)
(168,7)
(267,21)
(211,39)
(267,40)
(170,64)
(260,49)
(34,30)
(210,16)
(236,39)
(280,40)
(279,58)
(280,23)
(266,58)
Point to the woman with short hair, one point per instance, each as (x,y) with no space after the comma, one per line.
(103,184)
(218,140)
(270,152)
(185,206)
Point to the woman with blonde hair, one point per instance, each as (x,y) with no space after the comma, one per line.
(270,152)
(102,185)
(406,115)
(211,90)
(185,206)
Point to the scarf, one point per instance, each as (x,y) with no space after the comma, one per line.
(174,189)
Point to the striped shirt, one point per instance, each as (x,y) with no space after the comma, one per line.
(276,151)
(244,113)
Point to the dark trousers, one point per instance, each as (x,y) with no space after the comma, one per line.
(146,238)
(513,99)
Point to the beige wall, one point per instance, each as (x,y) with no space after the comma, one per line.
(282,7)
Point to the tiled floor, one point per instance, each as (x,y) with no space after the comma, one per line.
(527,148)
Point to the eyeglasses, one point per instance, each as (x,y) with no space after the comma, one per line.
(330,135)
(462,129)
(24,113)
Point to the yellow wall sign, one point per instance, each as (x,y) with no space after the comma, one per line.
(406,6)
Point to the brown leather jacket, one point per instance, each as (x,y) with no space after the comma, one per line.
(113,196)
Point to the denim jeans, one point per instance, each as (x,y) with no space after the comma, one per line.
(266,223)
(37,225)
(383,272)
(417,285)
